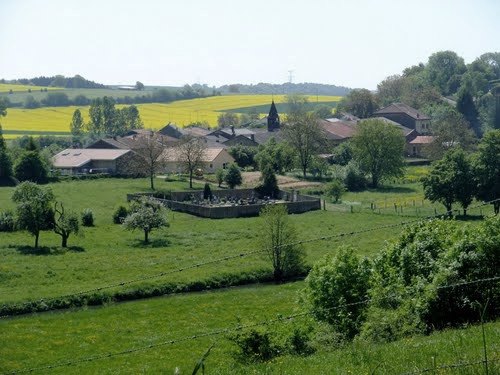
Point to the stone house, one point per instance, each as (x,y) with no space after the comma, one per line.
(90,160)
(213,159)
(407,116)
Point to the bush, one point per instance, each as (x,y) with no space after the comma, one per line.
(7,221)
(87,218)
(335,289)
(207,192)
(409,285)
(354,179)
(120,215)
(254,345)
(334,190)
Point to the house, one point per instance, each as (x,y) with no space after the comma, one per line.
(233,136)
(174,131)
(90,160)
(213,159)
(407,116)
(417,146)
(337,131)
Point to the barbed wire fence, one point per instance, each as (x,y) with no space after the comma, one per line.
(227,258)
(240,327)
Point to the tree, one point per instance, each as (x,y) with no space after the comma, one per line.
(269,183)
(378,149)
(323,111)
(303,134)
(31,167)
(444,70)
(336,289)
(279,155)
(149,156)
(450,130)
(466,106)
(334,190)
(3,108)
(359,102)
(227,119)
(233,176)
(30,102)
(243,155)
(450,180)
(487,169)
(34,211)
(5,161)
(191,154)
(390,90)
(278,239)
(76,126)
(139,86)
(147,214)
(220,174)
(65,223)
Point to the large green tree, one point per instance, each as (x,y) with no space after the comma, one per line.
(487,169)
(359,102)
(34,211)
(378,149)
(450,180)
(76,126)
(31,167)
(444,70)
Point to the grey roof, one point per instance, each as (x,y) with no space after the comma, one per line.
(77,157)
(402,108)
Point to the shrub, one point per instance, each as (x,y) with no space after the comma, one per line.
(409,285)
(254,345)
(334,190)
(207,192)
(335,291)
(233,176)
(7,221)
(354,179)
(120,214)
(87,218)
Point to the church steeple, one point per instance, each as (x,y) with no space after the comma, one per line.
(273,119)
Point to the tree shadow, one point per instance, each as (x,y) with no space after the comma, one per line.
(152,244)
(469,217)
(46,250)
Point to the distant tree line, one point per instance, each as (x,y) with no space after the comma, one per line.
(285,88)
(61,99)
(76,82)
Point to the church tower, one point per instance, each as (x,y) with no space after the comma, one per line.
(273,119)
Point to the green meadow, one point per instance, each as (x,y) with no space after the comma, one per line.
(107,255)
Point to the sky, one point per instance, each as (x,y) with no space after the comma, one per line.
(353,43)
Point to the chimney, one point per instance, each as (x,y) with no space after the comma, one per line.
(418,115)
(252,137)
(232,130)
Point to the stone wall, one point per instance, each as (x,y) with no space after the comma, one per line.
(295,203)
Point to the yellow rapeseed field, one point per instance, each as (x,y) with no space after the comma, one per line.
(6,87)
(154,115)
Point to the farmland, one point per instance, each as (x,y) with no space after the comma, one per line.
(107,255)
(17,89)
(48,120)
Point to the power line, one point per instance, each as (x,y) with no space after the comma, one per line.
(217,332)
(230,257)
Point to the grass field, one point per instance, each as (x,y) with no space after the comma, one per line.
(107,254)
(70,336)
(154,115)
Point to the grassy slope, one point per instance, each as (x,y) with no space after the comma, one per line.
(37,340)
(154,115)
(108,254)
